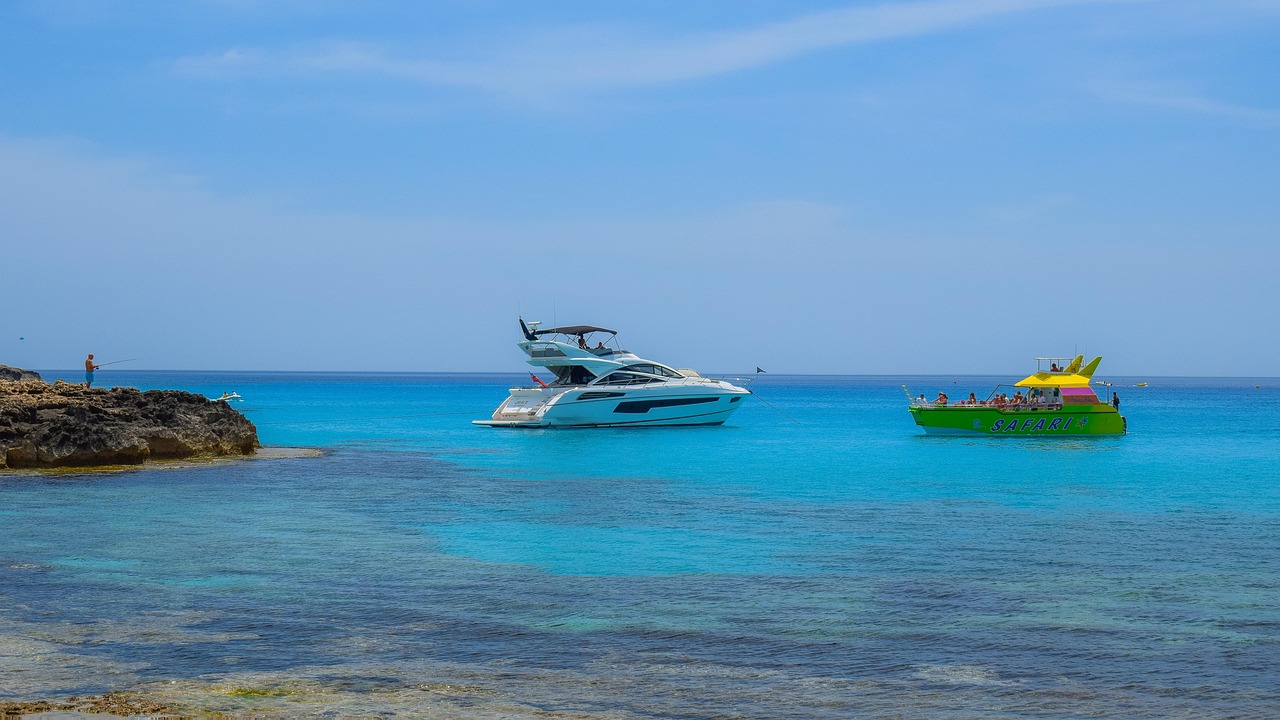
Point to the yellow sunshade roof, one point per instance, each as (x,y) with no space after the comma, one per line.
(1079,378)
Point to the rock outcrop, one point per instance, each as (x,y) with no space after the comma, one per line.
(13,373)
(66,425)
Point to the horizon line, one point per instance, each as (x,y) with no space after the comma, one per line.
(776,374)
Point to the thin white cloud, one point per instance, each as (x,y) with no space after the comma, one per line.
(1209,106)
(1175,99)
(1032,210)
(598,58)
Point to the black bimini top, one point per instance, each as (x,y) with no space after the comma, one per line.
(566,330)
(574,330)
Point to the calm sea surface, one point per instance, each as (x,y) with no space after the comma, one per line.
(815,558)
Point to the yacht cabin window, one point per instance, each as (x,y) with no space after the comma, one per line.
(654,370)
(625,378)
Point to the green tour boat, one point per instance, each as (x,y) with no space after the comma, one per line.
(1057,401)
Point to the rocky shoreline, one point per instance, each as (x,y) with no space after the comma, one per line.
(13,373)
(68,425)
(112,704)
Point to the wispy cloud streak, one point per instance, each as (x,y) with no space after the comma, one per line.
(1178,100)
(595,58)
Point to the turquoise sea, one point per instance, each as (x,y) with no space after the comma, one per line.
(815,558)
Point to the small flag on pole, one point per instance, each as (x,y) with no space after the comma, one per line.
(758,369)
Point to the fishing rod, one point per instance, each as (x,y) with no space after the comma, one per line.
(113,362)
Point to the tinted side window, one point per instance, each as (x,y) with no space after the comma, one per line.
(624,378)
(654,370)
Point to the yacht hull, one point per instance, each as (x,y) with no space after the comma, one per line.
(587,407)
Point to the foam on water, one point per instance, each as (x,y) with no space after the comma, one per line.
(839,566)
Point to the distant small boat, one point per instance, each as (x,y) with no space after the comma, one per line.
(1142,384)
(228,397)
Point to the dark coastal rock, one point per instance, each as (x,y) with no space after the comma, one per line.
(13,373)
(66,425)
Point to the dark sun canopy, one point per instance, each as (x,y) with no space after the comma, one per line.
(574,330)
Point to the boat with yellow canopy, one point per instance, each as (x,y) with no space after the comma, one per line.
(1057,401)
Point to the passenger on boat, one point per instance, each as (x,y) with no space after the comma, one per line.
(1053,367)
(941,399)
(582,342)
(973,399)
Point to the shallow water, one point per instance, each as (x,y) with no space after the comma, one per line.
(817,557)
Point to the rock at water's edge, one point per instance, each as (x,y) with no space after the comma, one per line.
(66,425)
(13,373)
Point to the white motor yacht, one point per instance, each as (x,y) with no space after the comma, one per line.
(603,386)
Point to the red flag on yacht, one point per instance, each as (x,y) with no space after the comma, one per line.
(537,379)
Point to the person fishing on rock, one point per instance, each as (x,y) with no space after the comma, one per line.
(89,367)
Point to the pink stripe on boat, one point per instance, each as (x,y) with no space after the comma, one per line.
(1077,391)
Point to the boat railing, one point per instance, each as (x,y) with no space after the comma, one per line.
(547,349)
(986,405)
(992,401)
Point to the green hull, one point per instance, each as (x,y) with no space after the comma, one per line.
(1069,420)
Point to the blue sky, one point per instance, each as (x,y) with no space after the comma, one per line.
(948,186)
